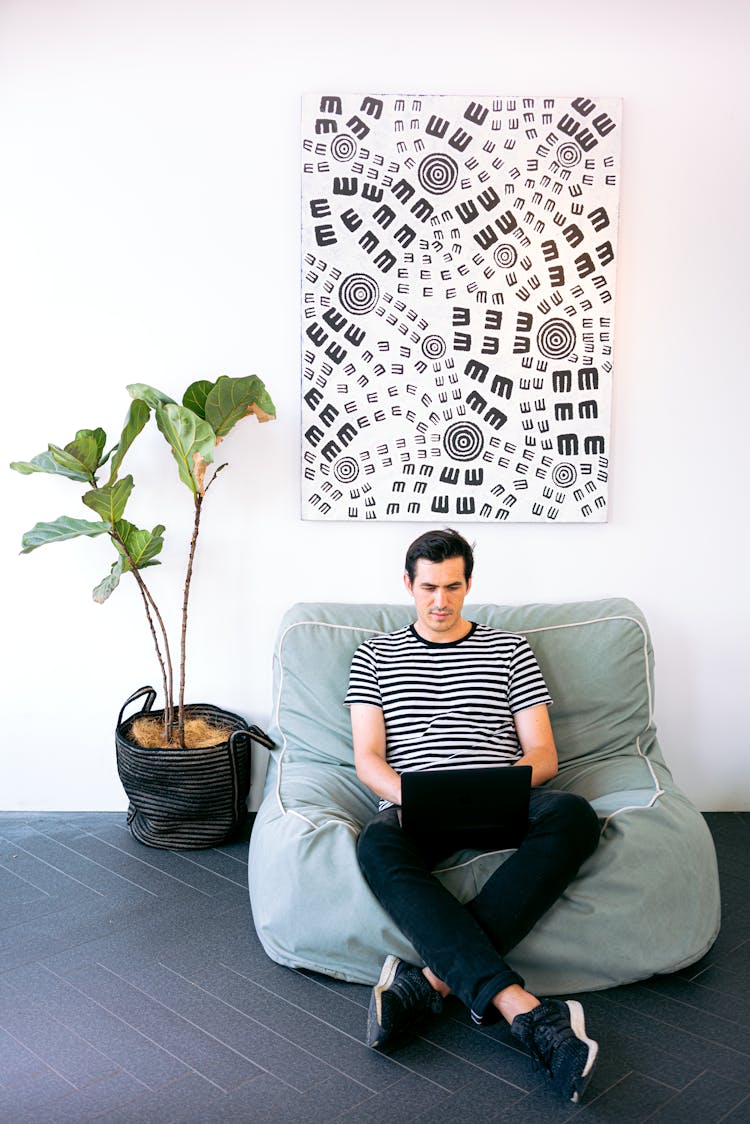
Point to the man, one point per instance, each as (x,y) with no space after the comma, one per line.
(446,692)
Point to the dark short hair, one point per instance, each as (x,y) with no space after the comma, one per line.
(437,546)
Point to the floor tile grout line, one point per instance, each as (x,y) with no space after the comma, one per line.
(703,988)
(358,1107)
(728,1113)
(151,866)
(118,1067)
(140,1033)
(699,1040)
(434,1045)
(634,1038)
(222,848)
(692,1007)
(135,858)
(325,986)
(725,963)
(213,873)
(477,1065)
(275,1033)
(678,1093)
(86,858)
(59,870)
(39,1058)
(283,1036)
(240,859)
(589,1102)
(26,881)
(202,1030)
(181,854)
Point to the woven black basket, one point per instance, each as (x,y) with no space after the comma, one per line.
(186,798)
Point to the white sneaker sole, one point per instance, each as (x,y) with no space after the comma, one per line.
(385,979)
(375,1010)
(578,1025)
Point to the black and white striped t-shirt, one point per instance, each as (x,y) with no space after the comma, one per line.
(448,705)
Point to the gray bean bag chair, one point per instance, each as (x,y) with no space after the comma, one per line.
(646,902)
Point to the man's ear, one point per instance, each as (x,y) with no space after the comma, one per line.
(407,583)
(468,585)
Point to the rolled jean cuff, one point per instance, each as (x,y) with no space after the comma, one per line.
(483,1012)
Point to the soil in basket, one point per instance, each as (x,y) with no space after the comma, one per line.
(149,733)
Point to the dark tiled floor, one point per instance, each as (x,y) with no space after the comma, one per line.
(133,989)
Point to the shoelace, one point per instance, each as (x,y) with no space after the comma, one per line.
(546,1037)
(411,990)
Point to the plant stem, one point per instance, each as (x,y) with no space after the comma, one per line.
(166,685)
(166,671)
(183,640)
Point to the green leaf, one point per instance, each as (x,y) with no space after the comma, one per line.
(195,397)
(74,458)
(142,546)
(68,461)
(63,528)
(108,585)
(45,462)
(137,416)
(110,501)
(101,439)
(190,437)
(81,455)
(149,394)
(79,459)
(233,399)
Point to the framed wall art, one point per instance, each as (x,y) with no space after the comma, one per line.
(458,294)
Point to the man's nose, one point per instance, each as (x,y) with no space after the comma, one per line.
(441,598)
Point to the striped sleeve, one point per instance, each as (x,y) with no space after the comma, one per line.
(526,685)
(363,680)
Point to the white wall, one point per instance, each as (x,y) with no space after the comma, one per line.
(149,231)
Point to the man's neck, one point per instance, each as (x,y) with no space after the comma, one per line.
(461,629)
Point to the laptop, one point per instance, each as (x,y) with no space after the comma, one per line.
(484,808)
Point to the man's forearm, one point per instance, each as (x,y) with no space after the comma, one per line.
(378,775)
(543,764)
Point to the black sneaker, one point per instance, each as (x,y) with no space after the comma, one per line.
(400,1000)
(555,1035)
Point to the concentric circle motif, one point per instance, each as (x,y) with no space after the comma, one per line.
(506,255)
(564,475)
(359,293)
(556,339)
(433,347)
(437,173)
(463,441)
(568,154)
(346,470)
(343,147)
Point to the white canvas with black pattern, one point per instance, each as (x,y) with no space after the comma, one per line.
(458,292)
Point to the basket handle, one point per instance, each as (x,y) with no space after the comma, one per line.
(258,735)
(254,733)
(149,691)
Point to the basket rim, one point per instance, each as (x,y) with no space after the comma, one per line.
(208,710)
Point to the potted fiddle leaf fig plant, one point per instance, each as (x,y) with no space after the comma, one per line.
(167,759)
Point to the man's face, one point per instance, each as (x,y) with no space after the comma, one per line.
(439,589)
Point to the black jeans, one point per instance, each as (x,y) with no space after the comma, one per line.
(464,945)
